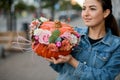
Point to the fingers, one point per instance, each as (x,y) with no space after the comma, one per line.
(57,61)
(52,59)
(65,58)
(61,59)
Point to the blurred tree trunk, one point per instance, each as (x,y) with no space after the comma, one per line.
(50,4)
(53,9)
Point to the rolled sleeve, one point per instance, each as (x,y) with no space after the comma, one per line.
(56,67)
(79,70)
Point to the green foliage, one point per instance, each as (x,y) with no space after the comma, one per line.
(48,3)
(31,8)
(4,4)
(54,36)
(20,6)
(77,7)
(64,5)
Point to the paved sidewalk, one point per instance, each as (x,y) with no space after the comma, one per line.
(25,66)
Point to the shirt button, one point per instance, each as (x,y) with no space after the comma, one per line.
(104,58)
(84,62)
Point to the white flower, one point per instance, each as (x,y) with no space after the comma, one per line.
(43,19)
(74,39)
(37,31)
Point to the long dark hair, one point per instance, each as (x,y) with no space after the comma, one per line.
(110,21)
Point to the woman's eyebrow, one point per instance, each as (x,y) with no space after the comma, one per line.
(92,6)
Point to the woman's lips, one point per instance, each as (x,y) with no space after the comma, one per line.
(87,19)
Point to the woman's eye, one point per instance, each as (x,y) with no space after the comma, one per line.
(92,8)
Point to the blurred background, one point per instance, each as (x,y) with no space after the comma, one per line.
(15,16)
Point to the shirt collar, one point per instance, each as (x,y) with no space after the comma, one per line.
(107,38)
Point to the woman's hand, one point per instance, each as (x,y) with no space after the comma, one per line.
(64,59)
(61,59)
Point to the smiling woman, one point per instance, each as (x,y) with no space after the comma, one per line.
(97,57)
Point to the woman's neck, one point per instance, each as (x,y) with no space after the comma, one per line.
(96,33)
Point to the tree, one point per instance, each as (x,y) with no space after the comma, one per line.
(64,5)
(5,5)
(50,4)
(20,6)
(31,8)
(77,7)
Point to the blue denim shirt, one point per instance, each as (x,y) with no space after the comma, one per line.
(99,61)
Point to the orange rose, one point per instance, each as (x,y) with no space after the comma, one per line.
(65,45)
(52,47)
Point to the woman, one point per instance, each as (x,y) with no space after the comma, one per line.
(97,57)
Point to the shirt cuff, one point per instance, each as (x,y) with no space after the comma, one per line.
(79,70)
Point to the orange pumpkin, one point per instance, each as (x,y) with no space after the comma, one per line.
(42,49)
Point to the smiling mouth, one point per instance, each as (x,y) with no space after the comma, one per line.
(87,20)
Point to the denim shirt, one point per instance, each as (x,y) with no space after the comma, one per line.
(99,61)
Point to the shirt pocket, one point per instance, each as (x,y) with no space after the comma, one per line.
(81,54)
(101,58)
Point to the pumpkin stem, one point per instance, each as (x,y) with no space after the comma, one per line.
(57,24)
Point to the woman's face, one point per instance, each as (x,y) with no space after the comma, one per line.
(92,13)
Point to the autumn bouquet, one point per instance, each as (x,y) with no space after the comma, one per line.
(52,38)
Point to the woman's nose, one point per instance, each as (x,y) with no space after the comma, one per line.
(86,12)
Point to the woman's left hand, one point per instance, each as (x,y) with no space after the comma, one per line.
(63,59)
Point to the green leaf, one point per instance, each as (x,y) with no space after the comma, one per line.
(54,36)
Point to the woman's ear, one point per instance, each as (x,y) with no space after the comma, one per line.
(106,13)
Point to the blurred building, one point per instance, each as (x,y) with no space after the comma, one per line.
(32,2)
(116,9)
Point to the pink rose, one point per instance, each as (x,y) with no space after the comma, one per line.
(66,35)
(44,36)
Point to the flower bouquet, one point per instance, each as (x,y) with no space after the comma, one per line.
(52,38)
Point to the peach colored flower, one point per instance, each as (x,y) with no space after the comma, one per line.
(52,47)
(34,24)
(65,45)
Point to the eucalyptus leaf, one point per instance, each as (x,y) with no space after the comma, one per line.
(54,36)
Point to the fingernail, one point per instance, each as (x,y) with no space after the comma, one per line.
(51,57)
(59,56)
